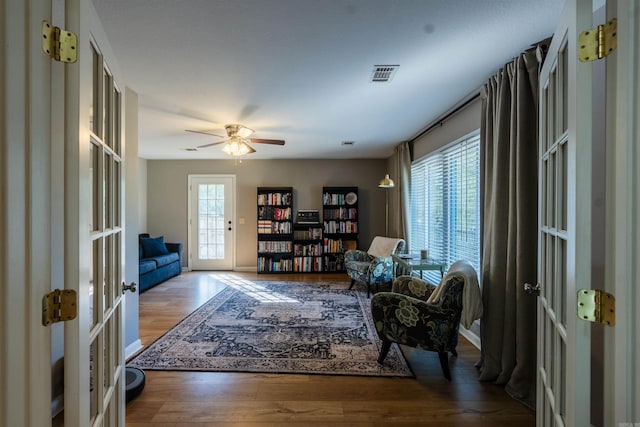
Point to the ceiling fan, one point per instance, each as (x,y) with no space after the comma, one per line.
(236,142)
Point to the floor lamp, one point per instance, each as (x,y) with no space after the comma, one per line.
(386,183)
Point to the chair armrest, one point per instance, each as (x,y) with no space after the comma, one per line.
(357,255)
(413,287)
(174,247)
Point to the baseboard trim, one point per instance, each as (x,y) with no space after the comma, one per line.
(132,348)
(470,336)
(247,269)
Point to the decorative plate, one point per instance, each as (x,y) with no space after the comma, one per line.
(351,198)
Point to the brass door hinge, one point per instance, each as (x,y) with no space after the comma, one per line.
(597,306)
(596,43)
(59,306)
(59,44)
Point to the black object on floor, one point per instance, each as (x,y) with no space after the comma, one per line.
(134,378)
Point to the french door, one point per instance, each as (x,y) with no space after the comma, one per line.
(211,227)
(94,230)
(566,347)
(564,242)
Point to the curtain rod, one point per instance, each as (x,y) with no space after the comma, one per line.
(450,113)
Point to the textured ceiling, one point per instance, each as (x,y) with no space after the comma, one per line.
(300,70)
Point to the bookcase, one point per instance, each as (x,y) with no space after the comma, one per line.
(307,248)
(340,225)
(275,229)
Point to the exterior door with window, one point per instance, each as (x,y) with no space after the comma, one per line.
(211,227)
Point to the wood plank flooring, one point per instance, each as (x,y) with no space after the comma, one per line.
(203,399)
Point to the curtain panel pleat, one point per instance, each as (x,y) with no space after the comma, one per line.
(509,162)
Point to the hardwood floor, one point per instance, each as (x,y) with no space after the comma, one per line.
(199,399)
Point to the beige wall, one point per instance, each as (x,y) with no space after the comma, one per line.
(167,194)
(455,127)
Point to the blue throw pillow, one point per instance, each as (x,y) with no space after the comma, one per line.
(153,246)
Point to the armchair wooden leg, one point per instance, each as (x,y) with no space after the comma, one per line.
(444,362)
(454,352)
(352,283)
(386,345)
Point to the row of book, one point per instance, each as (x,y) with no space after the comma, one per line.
(273,227)
(342,227)
(333,246)
(310,234)
(274,246)
(266,264)
(275,199)
(307,250)
(306,264)
(340,213)
(271,212)
(333,199)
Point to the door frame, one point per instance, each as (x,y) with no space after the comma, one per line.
(191,245)
(622,276)
(25,217)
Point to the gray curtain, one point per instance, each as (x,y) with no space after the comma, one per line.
(509,161)
(403,167)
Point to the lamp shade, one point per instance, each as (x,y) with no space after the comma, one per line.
(386,182)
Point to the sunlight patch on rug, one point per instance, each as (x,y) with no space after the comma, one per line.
(276,327)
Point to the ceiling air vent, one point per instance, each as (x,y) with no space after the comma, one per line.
(347,142)
(383,73)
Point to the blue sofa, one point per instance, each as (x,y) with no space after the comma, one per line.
(158,261)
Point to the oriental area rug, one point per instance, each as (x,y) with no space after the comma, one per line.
(276,327)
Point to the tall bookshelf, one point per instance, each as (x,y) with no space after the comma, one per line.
(307,248)
(340,225)
(275,229)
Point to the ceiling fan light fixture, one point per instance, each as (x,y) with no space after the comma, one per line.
(236,147)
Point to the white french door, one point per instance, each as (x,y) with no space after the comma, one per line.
(565,350)
(211,222)
(94,230)
(564,260)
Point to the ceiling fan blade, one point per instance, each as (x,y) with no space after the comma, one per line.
(267,141)
(204,133)
(211,145)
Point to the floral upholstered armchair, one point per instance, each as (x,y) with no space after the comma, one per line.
(375,265)
(415,315)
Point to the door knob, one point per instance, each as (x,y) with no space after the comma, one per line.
(131,287)
(532,289)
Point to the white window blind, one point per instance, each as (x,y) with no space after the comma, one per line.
(445,204)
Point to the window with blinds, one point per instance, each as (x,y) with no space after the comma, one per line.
(445,204)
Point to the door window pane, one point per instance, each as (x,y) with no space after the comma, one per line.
(211,221)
